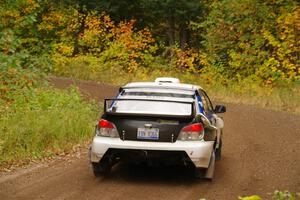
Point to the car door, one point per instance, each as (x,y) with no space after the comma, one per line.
(213,117)
(208,111)
(207,107)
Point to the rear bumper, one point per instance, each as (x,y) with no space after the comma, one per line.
(199,152)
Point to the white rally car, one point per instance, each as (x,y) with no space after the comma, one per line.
(159,122)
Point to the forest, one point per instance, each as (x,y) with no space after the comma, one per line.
(241,50)
(229,39)
(244,51)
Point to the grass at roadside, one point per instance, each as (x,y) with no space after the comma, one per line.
(46,123)
(281,97)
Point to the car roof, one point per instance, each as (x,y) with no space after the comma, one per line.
(160,85)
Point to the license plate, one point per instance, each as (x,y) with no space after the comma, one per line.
(148,133)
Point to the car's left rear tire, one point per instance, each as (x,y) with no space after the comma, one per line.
(101,169)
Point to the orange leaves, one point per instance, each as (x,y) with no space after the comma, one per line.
(78,32)
(131,39)
(119,43)
(186,60)
(136,43)
(114,45)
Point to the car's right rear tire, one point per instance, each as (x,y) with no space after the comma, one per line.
(218,151)
(199,173)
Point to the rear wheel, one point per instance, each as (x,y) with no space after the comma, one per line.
(218,151)
(199,173)
(101,169)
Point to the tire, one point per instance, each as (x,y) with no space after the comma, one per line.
(218,151)
(199,173)
(101,169)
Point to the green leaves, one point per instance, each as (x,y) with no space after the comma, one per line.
(248,38)
(285,195)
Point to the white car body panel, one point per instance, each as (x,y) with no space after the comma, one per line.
(198,151)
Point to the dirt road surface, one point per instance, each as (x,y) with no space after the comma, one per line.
(261,153)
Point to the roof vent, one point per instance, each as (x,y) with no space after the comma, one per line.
(167,80)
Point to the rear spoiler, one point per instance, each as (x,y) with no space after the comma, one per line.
(108,108)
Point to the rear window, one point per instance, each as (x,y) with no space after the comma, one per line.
(149,107)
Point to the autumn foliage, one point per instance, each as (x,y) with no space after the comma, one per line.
(246,38)
(229,39)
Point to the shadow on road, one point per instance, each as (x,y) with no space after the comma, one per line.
(142,173)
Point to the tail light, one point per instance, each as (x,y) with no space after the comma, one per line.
(192,132)
(106,129)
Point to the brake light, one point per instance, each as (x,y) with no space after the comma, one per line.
(106,129)
(193,128)
(105,124)
(192,132)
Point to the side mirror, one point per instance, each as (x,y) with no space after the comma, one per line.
(220,109)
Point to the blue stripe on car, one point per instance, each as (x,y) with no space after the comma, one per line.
(200,105)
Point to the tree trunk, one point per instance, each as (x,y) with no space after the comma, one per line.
(171,29)
(82,14)
(183,36)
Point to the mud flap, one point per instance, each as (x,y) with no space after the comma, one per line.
(209,174)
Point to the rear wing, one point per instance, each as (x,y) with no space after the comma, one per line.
(149,107)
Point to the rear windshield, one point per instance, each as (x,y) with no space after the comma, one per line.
(150,107)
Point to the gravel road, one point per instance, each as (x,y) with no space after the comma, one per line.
(261,153)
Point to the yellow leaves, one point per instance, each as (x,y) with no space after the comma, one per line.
(289,22)
(254,197)
(284,45)
(29,6)
(270,38)
(8,18)
(268,68)
(235,60)
(244,45)
(64,49)
(96,31)
(10,14)
(274,69)
(51,20)
(119,45)
(204,60)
